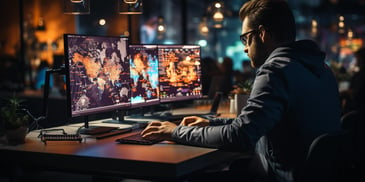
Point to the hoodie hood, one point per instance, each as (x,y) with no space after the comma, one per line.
(306,52)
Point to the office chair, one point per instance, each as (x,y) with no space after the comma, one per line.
(350,120)
(333,158)
(354,123)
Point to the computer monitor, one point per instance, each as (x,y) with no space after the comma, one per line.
(97,74)
(143,61)
(179,72)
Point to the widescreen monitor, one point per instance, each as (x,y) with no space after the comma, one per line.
(179,72)
(143,61)
(97,74)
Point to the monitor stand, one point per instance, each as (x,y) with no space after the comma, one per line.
(118,118)
(94,130)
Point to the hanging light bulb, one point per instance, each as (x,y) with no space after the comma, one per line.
(76,1)
(161,24)
(350,34)
(204,29)
(218,16)
(130,6)
(314,28)
(203,26)
(41,25)
(130,1)
(76,7)
(217,5)
(102,22)
(341,24)
(161,29)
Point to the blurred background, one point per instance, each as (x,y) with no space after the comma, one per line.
(31,35)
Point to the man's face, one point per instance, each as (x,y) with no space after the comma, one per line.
(254,46)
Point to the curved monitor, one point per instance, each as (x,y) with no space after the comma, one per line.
(97,74)
(179,72)
(143,61)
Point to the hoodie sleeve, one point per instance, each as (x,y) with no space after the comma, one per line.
(265,106)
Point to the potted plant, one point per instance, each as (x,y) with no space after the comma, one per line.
(240,94)
(14,121)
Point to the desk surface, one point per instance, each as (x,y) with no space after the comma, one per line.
(163,160)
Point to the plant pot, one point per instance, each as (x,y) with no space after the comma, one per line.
(16,136)
(240,101)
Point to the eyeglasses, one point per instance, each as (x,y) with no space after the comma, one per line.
(244,36)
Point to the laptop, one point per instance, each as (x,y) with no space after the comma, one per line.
(213,112)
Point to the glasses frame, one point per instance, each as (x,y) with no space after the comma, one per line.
(243,37)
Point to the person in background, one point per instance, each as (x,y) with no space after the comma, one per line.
(354,97)
(247,75)
(41,75)
(227,76)
(210,70)
(294,99)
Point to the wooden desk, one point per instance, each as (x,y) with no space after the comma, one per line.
(160,161)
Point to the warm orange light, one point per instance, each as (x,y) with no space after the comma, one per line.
(353,44)
(130,1)
(218,16)
(76,1)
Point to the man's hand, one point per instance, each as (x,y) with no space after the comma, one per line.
(157,130)
(194,121)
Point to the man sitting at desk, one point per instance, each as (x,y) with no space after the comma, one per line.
(294,97)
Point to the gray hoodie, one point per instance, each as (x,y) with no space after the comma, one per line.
(294,99)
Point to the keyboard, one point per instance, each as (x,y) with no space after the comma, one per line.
(136,139)
(175,117)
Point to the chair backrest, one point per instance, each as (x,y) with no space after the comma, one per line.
(332,158)
(354,123)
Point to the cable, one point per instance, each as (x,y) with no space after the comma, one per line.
(35,123)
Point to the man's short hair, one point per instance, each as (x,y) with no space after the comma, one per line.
(275,15)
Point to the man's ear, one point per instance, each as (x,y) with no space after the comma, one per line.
(264,34)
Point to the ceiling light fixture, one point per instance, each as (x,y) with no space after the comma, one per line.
(76,7)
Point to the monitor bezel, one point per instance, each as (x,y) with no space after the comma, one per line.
(151,102)
(91,111)
(181,98)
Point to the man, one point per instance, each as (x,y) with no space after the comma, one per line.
(294,97)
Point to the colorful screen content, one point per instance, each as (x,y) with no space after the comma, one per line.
(143,60)
(179,72)
(98,78)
